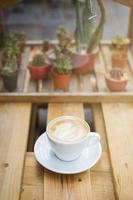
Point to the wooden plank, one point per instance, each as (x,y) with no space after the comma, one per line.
(22,73)
(29,84)
(128,3)
(33,130)
(73,85)
(27,81)
(85,83)
(119,127)
(39,85)
(50,84)
(32,185)
(93,82)
(14,129)
(32,85)
(106,56)
(101,175)
(99,72)
(39,42)
(66,97)
(46,86)
(66,186)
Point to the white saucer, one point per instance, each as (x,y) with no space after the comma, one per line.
(47,158)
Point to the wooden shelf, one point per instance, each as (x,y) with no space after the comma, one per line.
(90,87)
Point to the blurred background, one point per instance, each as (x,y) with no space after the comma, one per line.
(40,19)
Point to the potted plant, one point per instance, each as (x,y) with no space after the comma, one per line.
(21,37)
(64,38)
(64,43)
(116,80)
(11,49)
(62,70)
(119,49)
(39,67)
(87,39)
(9,74)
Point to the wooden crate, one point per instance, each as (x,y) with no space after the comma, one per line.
(23,178)
(84,86)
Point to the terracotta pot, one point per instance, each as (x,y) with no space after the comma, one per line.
(118,61)
(61,81)
(83,63)
(115,85)
(38,73)
(10,82)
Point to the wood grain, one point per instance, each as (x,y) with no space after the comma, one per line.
(33,128)
(119,128)
(85,83)
(125,2)
(14,129)
(32,185)
(101,173)
(100,71)
(23,69)
(66,97)
(66,186)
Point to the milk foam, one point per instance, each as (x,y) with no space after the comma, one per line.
(68,131)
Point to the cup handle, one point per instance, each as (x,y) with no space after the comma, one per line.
(93,138)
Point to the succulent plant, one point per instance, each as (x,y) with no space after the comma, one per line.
(38,60)
(87,38)
(117,73)
(120,44)
(20,36)
(64,37)
(11,47)
(9,68)
(63,32)
(63,64)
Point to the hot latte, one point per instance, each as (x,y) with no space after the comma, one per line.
(68,129)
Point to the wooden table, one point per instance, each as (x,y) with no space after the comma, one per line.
(21,177)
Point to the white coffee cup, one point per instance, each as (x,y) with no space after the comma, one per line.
(71,150)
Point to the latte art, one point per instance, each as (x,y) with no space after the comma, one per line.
(68,130)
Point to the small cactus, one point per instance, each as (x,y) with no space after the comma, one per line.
(63,64)
(117,74)
(64,37)
(38,60)
(120,44)
(63,32)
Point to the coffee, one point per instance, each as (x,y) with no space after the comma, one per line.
(68,130)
